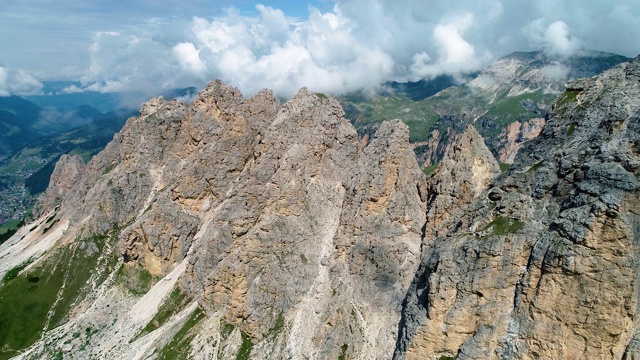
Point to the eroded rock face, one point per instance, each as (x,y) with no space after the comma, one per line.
(67,172)
(464,173)
(515,135)
(285,220)
(544,265)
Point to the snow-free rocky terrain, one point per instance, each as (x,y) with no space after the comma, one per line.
(240,228)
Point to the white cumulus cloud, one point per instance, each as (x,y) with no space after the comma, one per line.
(357,44)
(455,54)
(554,38)
(189,57)
(18,82)
(336,52)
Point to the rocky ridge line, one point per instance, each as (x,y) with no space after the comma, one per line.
(290,238)
(283,218)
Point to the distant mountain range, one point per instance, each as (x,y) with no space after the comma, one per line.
(22,121)
(25,119)
(515,89)
(57,95)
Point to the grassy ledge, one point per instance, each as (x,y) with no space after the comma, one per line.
(245,348)
(502,226)
(429,169)
(176,301)
(135,278)
(535,167)
(179,347)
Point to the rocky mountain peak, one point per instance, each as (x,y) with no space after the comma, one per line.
(217,92)
(544,264)
(522,73)
(68,170)
(469,159)
(151,106)
(246,228)
(465,172)
(247,205)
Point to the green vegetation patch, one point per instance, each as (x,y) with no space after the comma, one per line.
(535,167)
(446,357)
(504,167)
(512,108)
(109,168)
(429,169)
(40,299)
(502,226)
(10,225)
(571,130)
(343,352)
(179,346)
(9,229)
(13,273)
(568,96)
(366,112)
(134,277)
(246,345)
(245,348)
(508,110)
(26,301)
(277,327)
(226,330)
(176,301)
(420,129)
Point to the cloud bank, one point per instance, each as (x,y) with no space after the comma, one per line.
(356,44)
(18,82)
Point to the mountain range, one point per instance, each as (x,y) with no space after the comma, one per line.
(245,228)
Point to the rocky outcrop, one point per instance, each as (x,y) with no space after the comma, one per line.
(526,72)
(67,172)
(507,102)
(515,135)
(544,265)
(464,173)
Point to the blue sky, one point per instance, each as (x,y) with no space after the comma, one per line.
(328,45)
(45,35)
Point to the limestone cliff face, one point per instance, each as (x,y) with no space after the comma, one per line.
(274,219)
(543,264)
(464,174)
(245,228)
(67,172)
(515,135)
